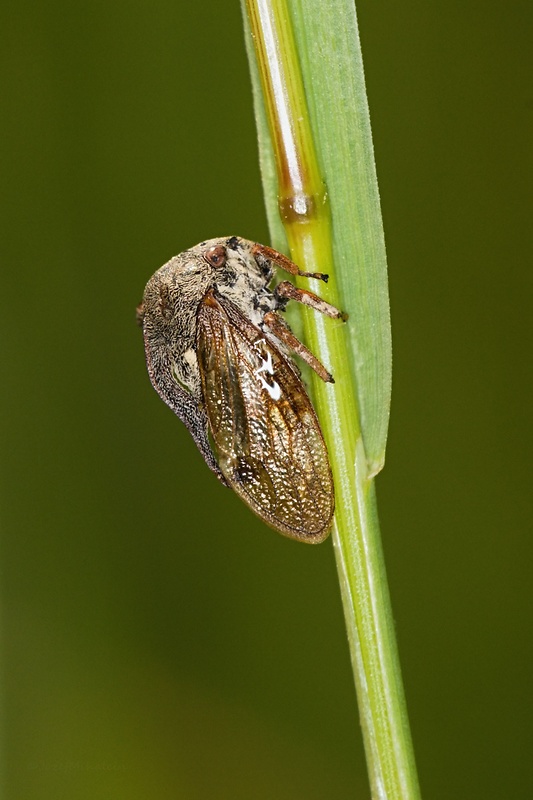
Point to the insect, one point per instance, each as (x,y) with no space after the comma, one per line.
(219,354)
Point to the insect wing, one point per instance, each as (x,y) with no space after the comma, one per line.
(269,444)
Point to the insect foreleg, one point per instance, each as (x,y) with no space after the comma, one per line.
(263,253)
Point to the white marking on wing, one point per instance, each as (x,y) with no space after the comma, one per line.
(267,365)
(273,389)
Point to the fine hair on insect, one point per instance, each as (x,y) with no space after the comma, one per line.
(219,354)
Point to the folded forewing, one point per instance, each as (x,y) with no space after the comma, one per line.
(268,441)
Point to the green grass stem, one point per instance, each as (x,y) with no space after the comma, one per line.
(323,207)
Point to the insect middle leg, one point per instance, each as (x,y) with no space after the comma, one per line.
(288,291)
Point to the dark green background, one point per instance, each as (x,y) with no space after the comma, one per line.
(159,641)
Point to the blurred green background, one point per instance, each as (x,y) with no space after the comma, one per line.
(158,640)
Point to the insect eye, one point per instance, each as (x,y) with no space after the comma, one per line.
(216,256)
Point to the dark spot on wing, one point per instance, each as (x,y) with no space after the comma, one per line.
(243,472)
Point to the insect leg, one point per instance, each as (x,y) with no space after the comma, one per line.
(281,261)
(282,331)
(182,404)
(288,291)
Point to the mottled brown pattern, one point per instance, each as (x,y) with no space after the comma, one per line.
(217,353)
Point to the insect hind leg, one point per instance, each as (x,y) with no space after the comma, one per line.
(281,330)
